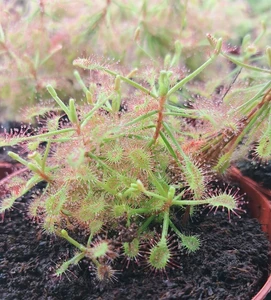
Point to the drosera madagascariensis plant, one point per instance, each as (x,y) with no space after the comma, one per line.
(102,165)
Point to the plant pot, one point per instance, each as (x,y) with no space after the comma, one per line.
(29,264)
(260,208)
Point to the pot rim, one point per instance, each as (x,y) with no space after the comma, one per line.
(260,208)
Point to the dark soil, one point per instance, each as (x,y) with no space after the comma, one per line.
(256,170)
(232,263)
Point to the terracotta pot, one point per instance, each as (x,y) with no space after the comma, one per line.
(260,208)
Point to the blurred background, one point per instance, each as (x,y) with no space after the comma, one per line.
(40,39)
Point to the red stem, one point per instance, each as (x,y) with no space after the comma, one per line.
(160,118)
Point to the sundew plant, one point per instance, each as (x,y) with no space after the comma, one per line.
(118,162)
(40,39)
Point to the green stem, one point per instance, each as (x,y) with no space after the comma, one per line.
(165,225)
(257,96)
(91,155)
(191,76)
(130,136)
(168,146)
(96,107)
(45,155)
(190,115)
(15,156)
(190,202)
(145,225)
(123,78)
(151,194)
(133,83)
(243,65)
(89,239)
(30,166)
(76,259)
(66,236)
(176,143)
(39,137)
(53,93)
(250,125)
(67,263)
(176,230)
(139,211)
(81,82)
(143,117)
(147,54)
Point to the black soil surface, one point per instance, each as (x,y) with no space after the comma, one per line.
(259,171)
(231,264)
